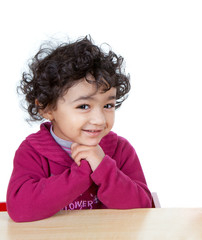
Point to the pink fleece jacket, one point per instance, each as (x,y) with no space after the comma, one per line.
(45,179)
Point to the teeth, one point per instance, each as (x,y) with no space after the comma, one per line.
(92,130)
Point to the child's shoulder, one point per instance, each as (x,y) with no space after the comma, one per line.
(112,141)
(38,139)
(113,138)
(43,132)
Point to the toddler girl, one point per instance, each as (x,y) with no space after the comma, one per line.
(75,161)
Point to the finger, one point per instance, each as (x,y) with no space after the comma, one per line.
(78,148)
(78,162)
(80,156)
(73,146)
(74,149)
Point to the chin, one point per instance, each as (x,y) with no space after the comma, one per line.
(91,142)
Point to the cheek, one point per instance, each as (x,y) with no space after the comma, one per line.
(111,119)
(77,120)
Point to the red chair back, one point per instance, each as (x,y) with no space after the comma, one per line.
(3,207)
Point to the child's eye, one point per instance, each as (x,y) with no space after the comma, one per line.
(108,106)
(84,107)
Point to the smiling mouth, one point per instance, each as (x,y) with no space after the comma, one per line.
(93,132)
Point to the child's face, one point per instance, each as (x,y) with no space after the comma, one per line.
(84,115)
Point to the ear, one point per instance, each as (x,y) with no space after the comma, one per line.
(46,113)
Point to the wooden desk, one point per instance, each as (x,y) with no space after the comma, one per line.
(152,224)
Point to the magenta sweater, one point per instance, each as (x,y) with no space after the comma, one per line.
(45,179)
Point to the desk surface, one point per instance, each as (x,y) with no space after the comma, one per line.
(162,223)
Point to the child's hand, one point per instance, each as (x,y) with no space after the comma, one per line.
(92,154)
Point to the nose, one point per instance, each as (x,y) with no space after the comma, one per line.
(98,117)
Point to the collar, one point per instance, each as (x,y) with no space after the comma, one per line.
(60,141)
(45,144)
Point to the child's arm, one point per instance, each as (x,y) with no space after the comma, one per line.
(33,195)
(121,182)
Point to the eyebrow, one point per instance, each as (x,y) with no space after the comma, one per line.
(90,97)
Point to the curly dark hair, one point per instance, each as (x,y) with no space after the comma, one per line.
(53,70)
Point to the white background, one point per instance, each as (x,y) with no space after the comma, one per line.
(161,42)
